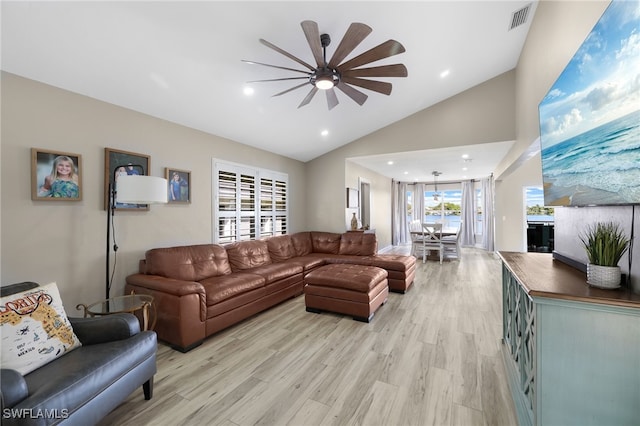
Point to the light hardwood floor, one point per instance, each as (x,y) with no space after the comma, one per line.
(428,357)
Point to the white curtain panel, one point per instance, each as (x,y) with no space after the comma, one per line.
(418,202)
(468,206)
(488,216)
(399,230)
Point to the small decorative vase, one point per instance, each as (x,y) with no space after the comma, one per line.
(354,222)
(603,276)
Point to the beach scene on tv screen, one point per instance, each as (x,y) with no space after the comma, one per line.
(590,118)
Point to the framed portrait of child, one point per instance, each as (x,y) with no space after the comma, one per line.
(178,185)
(55,175)
(118,163)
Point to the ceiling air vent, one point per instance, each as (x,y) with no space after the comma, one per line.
(519,17)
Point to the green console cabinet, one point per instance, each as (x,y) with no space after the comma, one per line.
(571,351)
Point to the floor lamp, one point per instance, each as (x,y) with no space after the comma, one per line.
(131,189)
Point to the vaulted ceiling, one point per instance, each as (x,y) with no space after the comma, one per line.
(182,61)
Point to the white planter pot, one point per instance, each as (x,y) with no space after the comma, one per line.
(603,276)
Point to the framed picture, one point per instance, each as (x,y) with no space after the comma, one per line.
(55,175)
(118,163)
(352,198)
(178,186)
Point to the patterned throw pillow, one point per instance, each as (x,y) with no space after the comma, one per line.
(34,329)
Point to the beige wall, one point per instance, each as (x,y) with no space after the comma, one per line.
(558,29)
(380,196)
(510,206)
(482,114)
(66,241)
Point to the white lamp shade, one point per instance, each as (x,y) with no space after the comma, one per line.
(136,189)
(324,83)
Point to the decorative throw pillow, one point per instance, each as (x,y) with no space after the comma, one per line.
(34,329)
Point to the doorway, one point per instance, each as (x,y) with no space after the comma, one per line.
(365,202)
(539,219)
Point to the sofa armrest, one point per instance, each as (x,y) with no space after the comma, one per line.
(181,308)
(13,388)
(166,285)
(106,328)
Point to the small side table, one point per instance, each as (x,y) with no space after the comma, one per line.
(129,303)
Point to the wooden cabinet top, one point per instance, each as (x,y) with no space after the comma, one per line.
(543,276)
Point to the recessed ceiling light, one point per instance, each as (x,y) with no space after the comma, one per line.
(444,73)
(324,132)
(248,91)
(464,169)
(389,162)
(465,155)
(406,173)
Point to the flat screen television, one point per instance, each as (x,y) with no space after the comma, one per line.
(590,118)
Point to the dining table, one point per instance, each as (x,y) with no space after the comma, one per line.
(447,231)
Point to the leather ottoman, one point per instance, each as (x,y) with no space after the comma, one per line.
(354,290)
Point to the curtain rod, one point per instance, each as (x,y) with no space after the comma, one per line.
(432,183)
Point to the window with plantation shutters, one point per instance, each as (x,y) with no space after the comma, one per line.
(249,203)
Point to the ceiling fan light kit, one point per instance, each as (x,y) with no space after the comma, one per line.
(325,79)
(344,75)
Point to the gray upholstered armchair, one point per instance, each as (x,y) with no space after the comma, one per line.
(83,385)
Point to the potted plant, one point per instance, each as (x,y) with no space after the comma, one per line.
(605,243)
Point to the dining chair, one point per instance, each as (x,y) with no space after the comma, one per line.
(417,239)
(451,244)
(433,238)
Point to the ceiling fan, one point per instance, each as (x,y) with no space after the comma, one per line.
(328,75)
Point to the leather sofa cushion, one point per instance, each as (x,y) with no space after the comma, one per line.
(281,248)
(224,287)
(309,262)
(302,243)
(358,244)
(325,242)
(276,271)
(188,263)
(248,254)
(74,379)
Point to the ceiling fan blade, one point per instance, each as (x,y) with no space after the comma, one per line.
(352,38)
(353,93)
(332,99)
(312,34)
(377,86)
(309,96)
(287,54)
(275,66)
(289,90)
(381,51)
(278,79)
(395,70)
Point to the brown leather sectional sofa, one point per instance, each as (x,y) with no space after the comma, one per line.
(199,290)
